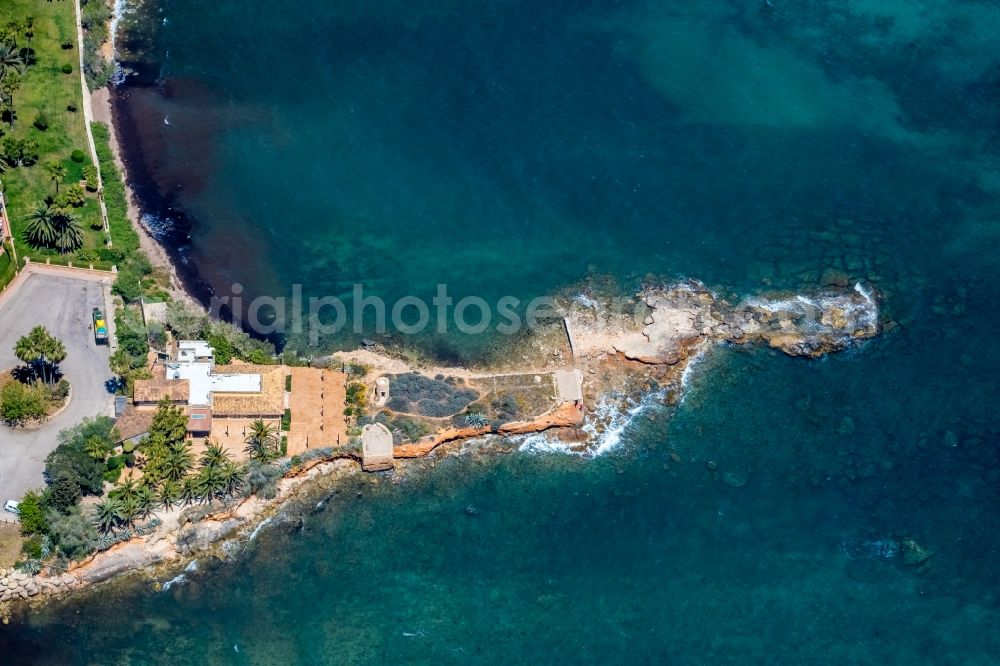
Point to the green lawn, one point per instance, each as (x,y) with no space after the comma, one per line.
(6,266)
(46,89)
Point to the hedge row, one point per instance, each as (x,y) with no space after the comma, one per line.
(123,236)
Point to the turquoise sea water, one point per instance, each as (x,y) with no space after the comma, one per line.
(513,148)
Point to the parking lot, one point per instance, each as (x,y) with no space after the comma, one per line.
(63,305)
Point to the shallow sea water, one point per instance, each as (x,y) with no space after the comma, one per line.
(505,148)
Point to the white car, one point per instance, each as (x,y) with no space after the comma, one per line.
(12,506)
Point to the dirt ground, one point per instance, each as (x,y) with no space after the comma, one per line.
(10,544)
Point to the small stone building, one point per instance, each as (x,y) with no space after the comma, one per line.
(381,391)
(376,448)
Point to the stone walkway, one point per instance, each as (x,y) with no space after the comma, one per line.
(317,404)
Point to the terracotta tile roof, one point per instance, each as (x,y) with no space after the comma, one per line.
(154,390)
(269,402)
(134,421)
(199,419)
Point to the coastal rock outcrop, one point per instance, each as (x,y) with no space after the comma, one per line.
(663,324)
(811,325)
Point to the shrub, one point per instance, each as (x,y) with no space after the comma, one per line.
(59,391)
(128,285)
(262,479)
(63,493)
(30,567)
(156,334)
(41,121)
(66,44)
(88,256)
(114,466)
(71,196)
(413,392)
(22,402)
(71,107)
(286,420)
(123,235)
(32,514)
(77,156)
(405,428)
(113,254)
(90,175)
(67,68)
(32,547)
(72,460)
(72,532)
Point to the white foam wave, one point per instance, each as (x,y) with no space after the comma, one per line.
(179,579)
(118,10)
(616,415)
(543,444)
(261,525)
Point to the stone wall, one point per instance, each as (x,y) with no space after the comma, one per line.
(16,584)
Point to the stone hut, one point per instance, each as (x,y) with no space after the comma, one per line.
(381,390)
(376,448)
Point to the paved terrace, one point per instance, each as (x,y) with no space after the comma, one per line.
(317,403)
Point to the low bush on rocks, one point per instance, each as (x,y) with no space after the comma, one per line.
(416,394)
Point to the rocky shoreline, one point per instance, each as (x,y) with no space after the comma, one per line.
(618,353)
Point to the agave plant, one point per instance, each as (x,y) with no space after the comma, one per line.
(106,514)
(10,60)
(145,500)
(168,494)
(476,420)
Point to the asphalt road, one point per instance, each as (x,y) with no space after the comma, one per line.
(63,305)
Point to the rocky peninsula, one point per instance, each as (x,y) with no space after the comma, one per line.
(599,354)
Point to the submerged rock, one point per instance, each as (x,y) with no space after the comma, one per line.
(913,553)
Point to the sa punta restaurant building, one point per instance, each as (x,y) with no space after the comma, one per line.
(219,401)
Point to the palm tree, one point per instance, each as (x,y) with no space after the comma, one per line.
(121,363)
(232,478)
(262,442)
(10,83)
(145,500)
(10,60)
(128,506)
(214,456)
(56,227)
(68,232)
(55,353)
(29,28)
(40,350)
(209,483)
(177,463)
(41,224)
(56,171)
(96,448)
(27,351)
(168,494)
(189,491)
(106,514)
(126,490)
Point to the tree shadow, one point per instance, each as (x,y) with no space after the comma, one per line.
(23,374)
(29,56)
